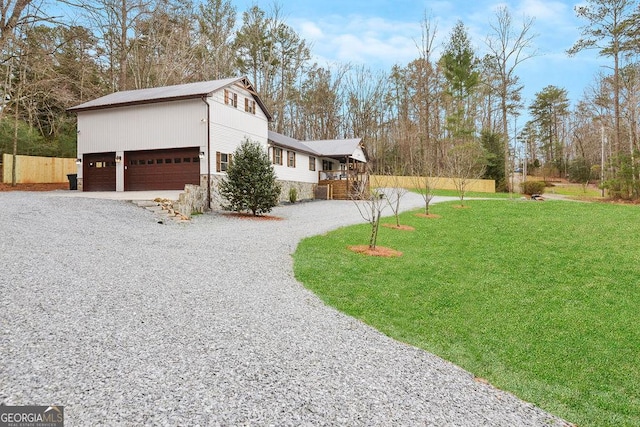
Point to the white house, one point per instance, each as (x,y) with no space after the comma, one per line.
(306,164)
(172,137)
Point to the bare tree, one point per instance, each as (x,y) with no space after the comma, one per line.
(424,180)
(425,186)
(316,113)
(274,55)
(370,203)
(16,13)
(426,90)
(16,77)
(366,110)
(465,162)
(162,52)
(508,49)
(394,196)
(114,22)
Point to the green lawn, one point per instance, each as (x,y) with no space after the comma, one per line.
(574,191)
(540,298)
(469,194)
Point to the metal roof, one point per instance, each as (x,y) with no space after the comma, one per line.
(335,147)
(165,93)
(288,142)
(322,148)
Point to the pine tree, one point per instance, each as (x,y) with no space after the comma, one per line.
(251,183)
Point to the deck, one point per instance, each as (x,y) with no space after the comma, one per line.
(344,185)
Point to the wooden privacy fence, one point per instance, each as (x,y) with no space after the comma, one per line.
(479,185)
(37,170)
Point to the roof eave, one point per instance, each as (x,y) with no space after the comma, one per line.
(132,103)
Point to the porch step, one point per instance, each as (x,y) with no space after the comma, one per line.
(162,209)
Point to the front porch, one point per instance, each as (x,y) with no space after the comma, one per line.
(345,184)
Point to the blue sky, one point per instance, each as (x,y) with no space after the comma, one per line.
(380,33)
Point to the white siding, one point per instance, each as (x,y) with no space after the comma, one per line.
(358,154)
(143,127)
(174,124)
(218,97)
(231,126)
(301,172)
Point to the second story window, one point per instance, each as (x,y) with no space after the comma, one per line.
(231,98)
(291,159)
(249,105)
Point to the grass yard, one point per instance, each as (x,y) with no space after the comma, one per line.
(468,194)
(575,191)
(540,298)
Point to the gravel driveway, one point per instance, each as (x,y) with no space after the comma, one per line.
(125,321)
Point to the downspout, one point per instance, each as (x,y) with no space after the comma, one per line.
(204,99)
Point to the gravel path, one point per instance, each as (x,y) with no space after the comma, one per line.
(125,321)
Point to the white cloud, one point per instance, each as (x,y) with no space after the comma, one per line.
(548,11)
(310,31)
(380,41)
(365,40)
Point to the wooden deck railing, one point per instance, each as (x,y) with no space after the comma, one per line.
(344,184)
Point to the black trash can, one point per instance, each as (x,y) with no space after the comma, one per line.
(73,181)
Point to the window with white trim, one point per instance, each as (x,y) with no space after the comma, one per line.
(291,159)
(312,163)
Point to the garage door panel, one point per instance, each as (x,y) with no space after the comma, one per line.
(162,169)
(99,172)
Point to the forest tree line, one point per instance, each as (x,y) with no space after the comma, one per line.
(410,117)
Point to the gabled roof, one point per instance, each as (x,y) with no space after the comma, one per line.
(167,93)
(288,142)
(335,147)
(321,148)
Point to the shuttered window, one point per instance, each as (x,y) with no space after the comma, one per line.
(223,160)
(277,156)
(250,105)
(230,98)
(291,159)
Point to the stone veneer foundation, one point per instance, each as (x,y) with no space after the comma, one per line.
(194,197)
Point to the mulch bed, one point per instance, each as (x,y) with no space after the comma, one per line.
(422,215)
(399,227)
(378,251)
(35,187)
(245,215)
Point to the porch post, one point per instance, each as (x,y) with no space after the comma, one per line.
(348,186)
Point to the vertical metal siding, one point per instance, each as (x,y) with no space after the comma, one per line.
(173,124)
(143,127)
